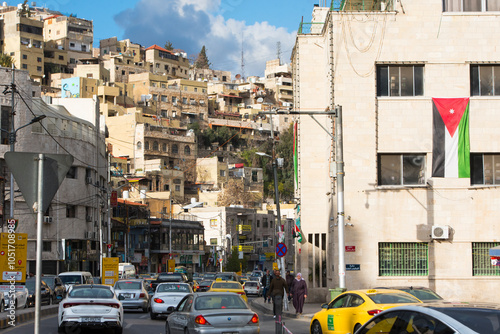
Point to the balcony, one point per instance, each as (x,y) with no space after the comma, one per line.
(362,5)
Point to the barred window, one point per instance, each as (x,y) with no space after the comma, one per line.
(481,262)
(403,259)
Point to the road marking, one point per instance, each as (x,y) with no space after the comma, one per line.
(128,326)
(143,316)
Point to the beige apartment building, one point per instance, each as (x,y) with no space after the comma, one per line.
(383,64)
(23,40)
(165,62)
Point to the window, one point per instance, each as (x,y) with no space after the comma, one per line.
(403,259)
(393,80)
(187,150)
(471,5)
(71,173)
(195,89)
(485,80)
(139,145)
(70,211)
(254,176)
(166,187)
(175,149)
(264,222)
(485,169)
(72,45)
(25,56)
(213,241)
(222,173)
(164,147)
(47,246)
(61,57)
(155,97)
(39,59)
(146,145)
(184,100)
(39,68)
(481,262)
(25,66)
(155,146)
(213,222)
(164,98)
(401,169)
(177,188)
(258,223)
(174,99)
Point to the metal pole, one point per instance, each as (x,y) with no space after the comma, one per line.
(170,233)
(281,234)
(340,194)
(12,142)
(100,234)
(109,203)
(38,277)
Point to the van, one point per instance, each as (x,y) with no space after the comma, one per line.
(126,271)
(76,277)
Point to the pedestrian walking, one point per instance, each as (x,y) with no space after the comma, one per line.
(289,282)
(265,281)
(299,291)
(276,291)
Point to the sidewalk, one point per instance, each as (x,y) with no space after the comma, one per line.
(27,314)
(308,312)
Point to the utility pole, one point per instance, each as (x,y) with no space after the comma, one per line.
(170,233)
(12,141)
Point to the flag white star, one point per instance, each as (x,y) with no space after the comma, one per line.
(452,111)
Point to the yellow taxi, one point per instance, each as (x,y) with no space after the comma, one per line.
(351,309)
(228,286)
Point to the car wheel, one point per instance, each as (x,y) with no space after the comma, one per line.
(316,328)
(153,315)
(119,330)
(186,331)
(356,327)
(145,309)
(167,328)
(60,329)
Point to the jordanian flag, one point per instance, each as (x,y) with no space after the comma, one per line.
(295,155)
(451,147)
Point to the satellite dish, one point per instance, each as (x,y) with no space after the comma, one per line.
(260,100)
(238,76)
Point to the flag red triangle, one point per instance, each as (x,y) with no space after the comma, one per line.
(451,111)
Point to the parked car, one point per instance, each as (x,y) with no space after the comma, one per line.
(46,294)
(424,294)
(228,286)
(169,277)
(133,294)
(20,297)
(56,285)
(215,312)
(76,277)
(209,276)
(439,317)
(90,306)
(252,288)
(167,296)
(351,309)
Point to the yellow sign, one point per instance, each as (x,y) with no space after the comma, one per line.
(270,255)
(171,266)
(275,266)
(13,256)
(246,249)
(244,228)
(110,271)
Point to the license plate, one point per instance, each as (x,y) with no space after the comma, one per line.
(126,295)
(91,319)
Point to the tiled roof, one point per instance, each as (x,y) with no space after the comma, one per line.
(157,47)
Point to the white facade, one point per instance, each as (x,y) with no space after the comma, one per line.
(336,64)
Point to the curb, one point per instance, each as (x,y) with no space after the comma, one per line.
(26,315)
(265,309)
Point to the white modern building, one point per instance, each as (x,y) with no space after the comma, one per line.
(384,62)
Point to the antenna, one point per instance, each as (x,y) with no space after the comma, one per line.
(242,60)
(278,52)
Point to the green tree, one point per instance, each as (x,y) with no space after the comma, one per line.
(234,263)
(6,60)
(202,59)
(169,46)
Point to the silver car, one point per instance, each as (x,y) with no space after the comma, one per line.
(252,288)
(212,312)
(133,294)
(167,296)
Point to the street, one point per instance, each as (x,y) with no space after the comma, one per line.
(140,323)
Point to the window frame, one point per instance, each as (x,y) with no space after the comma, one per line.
(383,72)
(483,4)
(474,170)
(402,173)
(481,261)
(406,263)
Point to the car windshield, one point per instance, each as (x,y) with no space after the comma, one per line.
(393,298)
(30,285)
(91,292)
(225,277)
(48,280)
(219,302)
(71,279)
(209,276)
(205,283)
(251,283)
(482,321)
(128,285)
(172,288)
(226,285)
(423,294)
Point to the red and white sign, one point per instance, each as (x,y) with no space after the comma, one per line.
(350,248)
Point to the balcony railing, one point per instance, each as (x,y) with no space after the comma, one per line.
(361,5)
(307,28)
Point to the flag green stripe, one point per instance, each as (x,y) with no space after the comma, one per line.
(464,145)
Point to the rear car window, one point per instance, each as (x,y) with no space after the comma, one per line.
(218,302)
(90,292)
(71,279)
(393,298)
(226,286)
(483,321)
(172,288)
(128,285)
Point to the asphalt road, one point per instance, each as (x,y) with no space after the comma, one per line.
(140,323)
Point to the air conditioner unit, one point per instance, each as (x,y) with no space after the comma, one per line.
(89,235)
(440,232)
(88,180)
(174,104)
(47,219)
(88,218)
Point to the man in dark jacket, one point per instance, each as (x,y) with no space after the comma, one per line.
(278,284)
(289,282)
(265,281)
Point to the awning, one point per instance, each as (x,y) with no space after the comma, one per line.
(238,97)
(123,201)
(193,205)
(495,251)
(135,179)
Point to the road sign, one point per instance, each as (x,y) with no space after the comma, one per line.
(171,265)
(352,267)
(280,249)
(13,256)
(24,166)
(109,246)
(110,271)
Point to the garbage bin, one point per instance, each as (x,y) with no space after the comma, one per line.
(335,292)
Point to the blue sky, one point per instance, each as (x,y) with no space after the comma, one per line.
(223,26)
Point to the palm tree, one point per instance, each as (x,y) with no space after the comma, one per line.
(6,60)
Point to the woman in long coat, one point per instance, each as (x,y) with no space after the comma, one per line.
(299,288)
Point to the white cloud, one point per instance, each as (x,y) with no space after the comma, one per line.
(190,24)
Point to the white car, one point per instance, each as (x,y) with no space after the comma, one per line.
(20,297)
(167,296)
(252,288)
(90,306)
